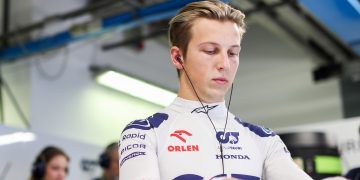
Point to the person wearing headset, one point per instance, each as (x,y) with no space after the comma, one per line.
(51,164)
(196,137)
(109,162)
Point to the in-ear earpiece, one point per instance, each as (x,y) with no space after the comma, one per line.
(178,59)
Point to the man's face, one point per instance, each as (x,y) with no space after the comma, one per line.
(114,166)
(212,58)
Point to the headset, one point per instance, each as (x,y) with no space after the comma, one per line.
(179,59)
(105,157)
(104,160)
(38,168)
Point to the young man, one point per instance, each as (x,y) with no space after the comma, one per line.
(196,137)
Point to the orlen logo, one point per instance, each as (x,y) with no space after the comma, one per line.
(182,135)
(230,137)
(179,134)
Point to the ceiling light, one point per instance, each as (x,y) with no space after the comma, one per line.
(16,137)
(134,87)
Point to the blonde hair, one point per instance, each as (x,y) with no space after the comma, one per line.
(179,33)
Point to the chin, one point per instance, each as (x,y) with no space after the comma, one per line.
(217,96)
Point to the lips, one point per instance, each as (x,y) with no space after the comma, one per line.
(220,80)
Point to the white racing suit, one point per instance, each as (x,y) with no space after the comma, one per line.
(179,142)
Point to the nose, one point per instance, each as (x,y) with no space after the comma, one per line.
(223,63)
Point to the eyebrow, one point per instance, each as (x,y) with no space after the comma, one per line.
(216,44)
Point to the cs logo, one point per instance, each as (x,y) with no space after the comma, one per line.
(229,137)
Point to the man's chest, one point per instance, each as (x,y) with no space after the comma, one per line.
(189,152)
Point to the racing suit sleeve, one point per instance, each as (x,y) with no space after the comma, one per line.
(137,152)
(279,164)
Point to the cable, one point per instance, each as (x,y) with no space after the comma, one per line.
(2,119)
(207,114)
(40,69)
(50,77)
(227,113)
(59,73)
(26,64)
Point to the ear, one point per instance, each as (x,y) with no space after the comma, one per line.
(175,54)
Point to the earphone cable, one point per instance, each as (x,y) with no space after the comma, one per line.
(207,114)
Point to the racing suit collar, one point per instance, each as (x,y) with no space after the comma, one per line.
(216,110)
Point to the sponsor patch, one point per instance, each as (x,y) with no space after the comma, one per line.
(230,137)
(204,109)
(232,147)
(180,135)
(233,156)
(183,148)
(134,136)
(130,156)
(133,146)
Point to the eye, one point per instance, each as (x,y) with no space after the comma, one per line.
(210,52)
(233,53)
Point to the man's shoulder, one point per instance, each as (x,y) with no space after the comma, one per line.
(255,129)
(151,122)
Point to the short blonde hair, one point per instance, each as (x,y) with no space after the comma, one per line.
(179,33)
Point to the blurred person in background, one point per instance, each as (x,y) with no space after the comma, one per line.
(353,174)
(109,162)
(51,164)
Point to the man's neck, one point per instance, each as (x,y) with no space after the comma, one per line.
(186,91)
